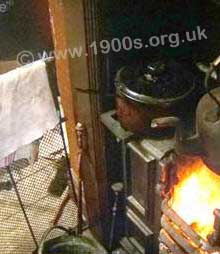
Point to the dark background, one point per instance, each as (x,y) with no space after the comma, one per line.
(25,26)
(142,19)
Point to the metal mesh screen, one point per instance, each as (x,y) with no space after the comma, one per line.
(38,185)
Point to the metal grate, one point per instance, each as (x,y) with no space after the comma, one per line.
(33,181)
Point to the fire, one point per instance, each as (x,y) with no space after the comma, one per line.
(196,196)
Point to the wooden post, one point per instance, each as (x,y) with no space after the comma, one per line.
(63,67)
(79,82)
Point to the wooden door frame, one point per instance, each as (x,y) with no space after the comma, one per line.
(74,25)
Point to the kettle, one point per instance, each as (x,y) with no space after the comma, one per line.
(206,141)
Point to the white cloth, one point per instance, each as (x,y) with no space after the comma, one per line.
(27,108)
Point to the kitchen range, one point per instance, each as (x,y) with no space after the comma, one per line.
(168,132)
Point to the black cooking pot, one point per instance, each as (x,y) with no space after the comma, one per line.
(135,111)
(66,244)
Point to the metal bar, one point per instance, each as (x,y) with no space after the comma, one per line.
(112,230)
(67,157)
(125,180)
(203,68)
(170,243)
(45,59)
(80,206)
(109,121)
(61,209)
(125,183)
(117,188)
(170,213)
(82,144)
(22,206)
(61,120)
(176,235)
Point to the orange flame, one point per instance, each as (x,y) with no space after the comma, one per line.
(196,196)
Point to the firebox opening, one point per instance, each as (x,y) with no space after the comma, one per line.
(196,196)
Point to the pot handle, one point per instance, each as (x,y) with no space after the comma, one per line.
(165,122)
(213,67)
(47,233)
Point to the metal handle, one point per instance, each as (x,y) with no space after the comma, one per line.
(47,233)
(212,68)
(165,122)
